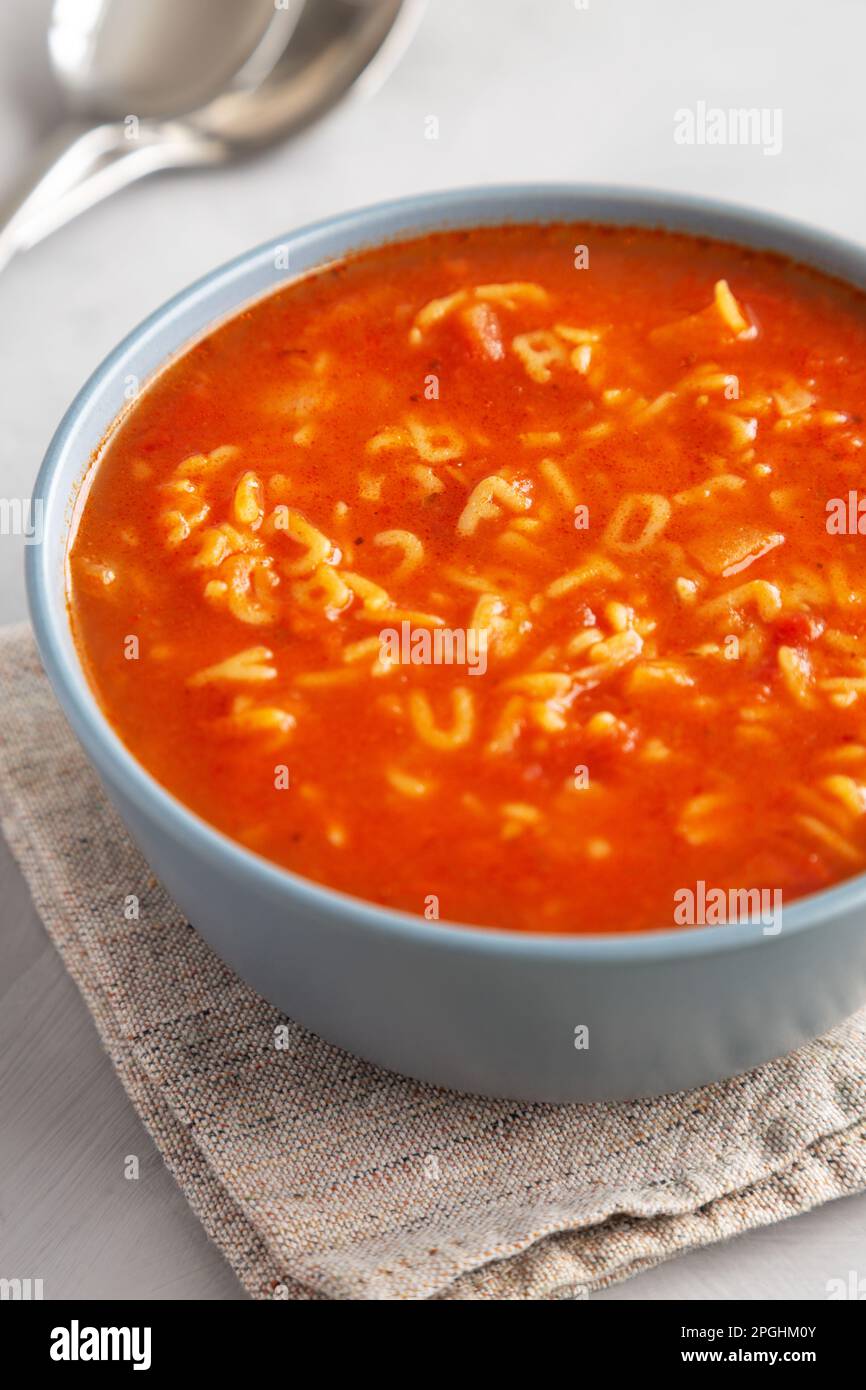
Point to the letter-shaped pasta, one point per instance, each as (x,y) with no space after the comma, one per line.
(179,524)
(542,685)
(597,567)
(723,318)
(218,542)
(427,480)
(483,501)
(393,438)
(187,512)
(580,337)
(198,464)
(463,719)
(558,483)
(741,431)
(508,726)
(759,592)
(320,551)
(729,309)
(797,674)
(511,293)
(435,443)
(374,597)
(434,312)
(852,794)
(721,482)
(504,631)
(327,589)
(657,509)
(507,295)
(250,583)
(408,542)
(538,352)
(269,720)
(842,590)
(618,649)
(406,784)
(247,507)
(213,550)
(248,665)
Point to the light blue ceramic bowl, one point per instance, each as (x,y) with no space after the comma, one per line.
(487,1011)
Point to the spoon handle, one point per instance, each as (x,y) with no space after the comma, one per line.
(80,165)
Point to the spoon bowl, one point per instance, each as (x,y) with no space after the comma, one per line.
(159,85)
(160,59)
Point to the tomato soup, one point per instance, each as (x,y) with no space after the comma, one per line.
(511,576)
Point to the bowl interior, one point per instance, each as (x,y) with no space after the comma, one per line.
(222,293)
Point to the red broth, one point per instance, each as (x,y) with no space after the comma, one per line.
(502,581)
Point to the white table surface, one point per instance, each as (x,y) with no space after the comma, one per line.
(522,89)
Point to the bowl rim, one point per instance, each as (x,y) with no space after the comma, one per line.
(441,210)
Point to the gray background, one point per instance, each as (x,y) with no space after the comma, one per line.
(522,89)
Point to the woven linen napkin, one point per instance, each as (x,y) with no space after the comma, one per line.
(320,1176)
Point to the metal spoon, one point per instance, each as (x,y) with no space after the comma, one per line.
(170,85)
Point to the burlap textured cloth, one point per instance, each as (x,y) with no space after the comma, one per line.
(320,1176)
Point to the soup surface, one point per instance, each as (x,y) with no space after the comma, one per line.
(510,576)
